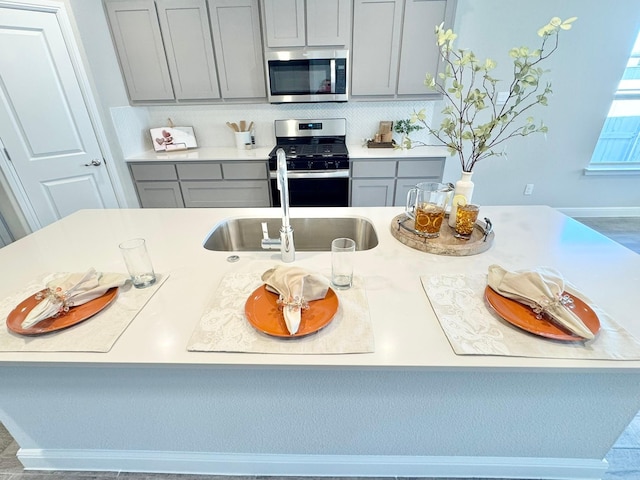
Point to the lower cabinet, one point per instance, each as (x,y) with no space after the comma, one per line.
(386,182)
(201,184)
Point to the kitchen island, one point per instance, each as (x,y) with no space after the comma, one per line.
(411,408)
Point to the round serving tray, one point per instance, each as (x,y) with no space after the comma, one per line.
(446,244)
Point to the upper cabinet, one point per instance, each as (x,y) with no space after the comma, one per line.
(393,58)
(307,23)
(236,36)
(189,50)
(138,42)
(172,51)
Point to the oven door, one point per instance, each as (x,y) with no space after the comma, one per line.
(314,189)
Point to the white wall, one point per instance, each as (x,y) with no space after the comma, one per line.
(584,73)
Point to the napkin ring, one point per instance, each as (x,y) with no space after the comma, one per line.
(544,305)
(57,297)
(293,303)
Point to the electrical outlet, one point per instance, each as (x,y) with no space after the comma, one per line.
(528,189)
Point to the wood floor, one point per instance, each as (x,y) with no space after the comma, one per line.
(623,458)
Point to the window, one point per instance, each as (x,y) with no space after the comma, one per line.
(618,147)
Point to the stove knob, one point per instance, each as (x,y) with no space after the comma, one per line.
(310,164)
(327,164)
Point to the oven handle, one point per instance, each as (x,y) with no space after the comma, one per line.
(313,174)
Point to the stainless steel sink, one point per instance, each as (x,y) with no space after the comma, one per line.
(240,234)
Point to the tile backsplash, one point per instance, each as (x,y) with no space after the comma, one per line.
(209,121)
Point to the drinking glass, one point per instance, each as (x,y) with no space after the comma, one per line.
(342,253)
(136,258)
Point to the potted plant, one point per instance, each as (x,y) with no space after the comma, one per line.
(476,123)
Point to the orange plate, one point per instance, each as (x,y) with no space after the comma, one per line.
(524,317)
(263,313)
(72,317)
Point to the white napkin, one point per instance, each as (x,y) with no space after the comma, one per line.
(541,289)
(296,288)
(73,290)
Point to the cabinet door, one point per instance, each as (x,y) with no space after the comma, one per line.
(328,22)
(376,46)
(235,25)
(284,22)
(136,34)
(372,192)
(159,194)
(420,54)
(189,50)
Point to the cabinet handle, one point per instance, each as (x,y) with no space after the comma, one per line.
(94,163)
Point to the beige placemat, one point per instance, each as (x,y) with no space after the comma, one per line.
(472,327)
(224,328)
(96,334)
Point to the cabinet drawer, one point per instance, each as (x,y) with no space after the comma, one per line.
(421,168)
(154,172)
(199,171)
(245,171)
(226,194)
(385,168)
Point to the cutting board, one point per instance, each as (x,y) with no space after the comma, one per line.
(173,138)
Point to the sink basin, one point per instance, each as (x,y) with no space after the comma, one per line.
(310,234)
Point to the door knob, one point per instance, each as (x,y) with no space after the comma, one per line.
(94,163)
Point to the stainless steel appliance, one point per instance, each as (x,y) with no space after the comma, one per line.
(317,162)
(308,76)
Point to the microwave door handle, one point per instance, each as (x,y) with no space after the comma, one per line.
(332,70)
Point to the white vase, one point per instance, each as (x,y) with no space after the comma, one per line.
(463,187)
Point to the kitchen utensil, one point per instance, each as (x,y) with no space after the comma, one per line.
(233,126)
(243,126)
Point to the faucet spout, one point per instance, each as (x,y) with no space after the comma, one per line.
(287,247)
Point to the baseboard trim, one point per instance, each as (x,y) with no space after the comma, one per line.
(312,465)
(601,212)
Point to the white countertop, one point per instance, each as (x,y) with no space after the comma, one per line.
(262,153)
(407,333)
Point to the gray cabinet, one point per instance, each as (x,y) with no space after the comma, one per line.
(393,58)
(157,185)
(189,50)
(312,23)
(385,182)
(238,45)
(420,54)
(376,49)
(138,41)
(173,51)
(372,183)
(201,184)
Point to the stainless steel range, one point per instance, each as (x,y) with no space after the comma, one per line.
(317,162)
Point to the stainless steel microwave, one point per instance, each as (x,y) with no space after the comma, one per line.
(308,76)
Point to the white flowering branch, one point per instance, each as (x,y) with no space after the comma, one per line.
(468,88)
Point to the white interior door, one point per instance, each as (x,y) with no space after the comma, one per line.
(44,122)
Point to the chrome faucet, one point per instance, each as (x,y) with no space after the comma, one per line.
(285,243)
